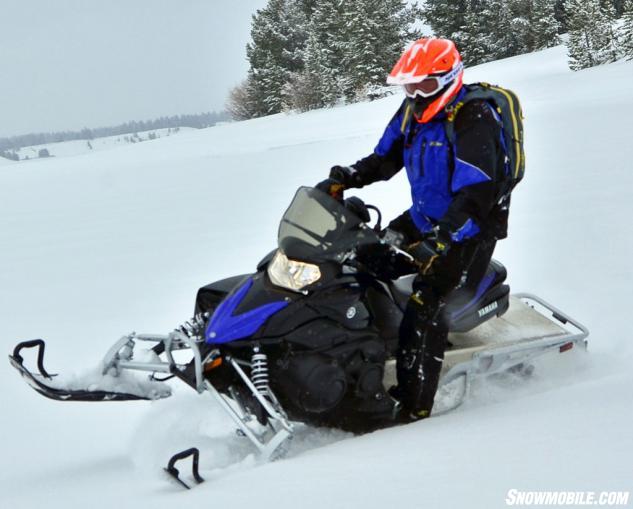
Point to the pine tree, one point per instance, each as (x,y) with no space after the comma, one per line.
(544,26)
(375,32)
(272,55)
(561,15)
(500,39)
(626,31)
(242,102)
(589,34)
(324,52)
(618,6)
(610,51)
(446,17)
(311,53)
(472,37)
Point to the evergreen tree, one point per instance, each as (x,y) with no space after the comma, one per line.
(487,30)
(626,31)
(618,6)
(324,54)
(446,17)
(272,54)
(241,104)
(561,15)
(350,48)
(472,36)
(374,35)
(610,52)
(589,34)
(544,26)
(520,14)
(311,53)
(499,39)
(314,87)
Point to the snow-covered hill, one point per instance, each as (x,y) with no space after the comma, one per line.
(78,147)
(104,243)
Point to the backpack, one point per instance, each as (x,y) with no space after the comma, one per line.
(507,106)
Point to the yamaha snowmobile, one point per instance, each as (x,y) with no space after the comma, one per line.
(310,336)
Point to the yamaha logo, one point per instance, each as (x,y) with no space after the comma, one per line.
(488,309)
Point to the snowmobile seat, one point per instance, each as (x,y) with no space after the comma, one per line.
(468,306)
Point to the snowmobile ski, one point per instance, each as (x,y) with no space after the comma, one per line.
(38,380)
(175,473)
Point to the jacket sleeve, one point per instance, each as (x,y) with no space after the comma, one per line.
(387,159)
(478,169)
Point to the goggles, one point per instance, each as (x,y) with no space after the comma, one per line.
(431,85)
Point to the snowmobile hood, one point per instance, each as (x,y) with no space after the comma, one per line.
(224,326)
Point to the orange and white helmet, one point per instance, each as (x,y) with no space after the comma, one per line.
(429,66)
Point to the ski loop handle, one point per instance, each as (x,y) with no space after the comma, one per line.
(39,343)
(174,472)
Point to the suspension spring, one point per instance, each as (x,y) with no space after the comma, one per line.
(259,372)
(194,328)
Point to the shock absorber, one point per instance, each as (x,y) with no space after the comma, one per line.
(259,371)
(194,328)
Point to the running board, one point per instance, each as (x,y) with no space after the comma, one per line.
(531,328)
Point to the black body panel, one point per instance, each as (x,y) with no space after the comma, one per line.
(326,345)
(209,296)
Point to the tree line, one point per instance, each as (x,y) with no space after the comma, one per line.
(307,54)
(599,31)
(197,121)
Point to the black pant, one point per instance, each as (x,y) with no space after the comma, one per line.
(424,330)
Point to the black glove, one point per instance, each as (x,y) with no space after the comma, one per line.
(428,251)
(384,261)
(346,175)
(341,178)
(332,187)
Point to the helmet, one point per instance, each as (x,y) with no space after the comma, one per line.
(431,71)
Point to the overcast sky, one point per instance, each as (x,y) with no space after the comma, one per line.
(69,64)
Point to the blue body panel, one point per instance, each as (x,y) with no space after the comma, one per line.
(225,327)
(483,287)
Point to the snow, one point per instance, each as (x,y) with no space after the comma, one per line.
(104,243)
(95,380)
(76,147)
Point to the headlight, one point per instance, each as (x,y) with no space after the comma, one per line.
(292,274)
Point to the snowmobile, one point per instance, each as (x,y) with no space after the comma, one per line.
(311,335)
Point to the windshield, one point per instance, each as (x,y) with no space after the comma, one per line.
(318,227)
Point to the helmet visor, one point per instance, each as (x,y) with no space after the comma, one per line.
(431,85)
(425,88)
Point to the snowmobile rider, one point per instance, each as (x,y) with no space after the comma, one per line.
(452,227)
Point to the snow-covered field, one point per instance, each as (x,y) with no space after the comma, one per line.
(78,147)
(104,243)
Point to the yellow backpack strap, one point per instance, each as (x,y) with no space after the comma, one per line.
(405,118)
(449,123)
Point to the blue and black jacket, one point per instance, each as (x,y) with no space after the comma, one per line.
(455,187)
